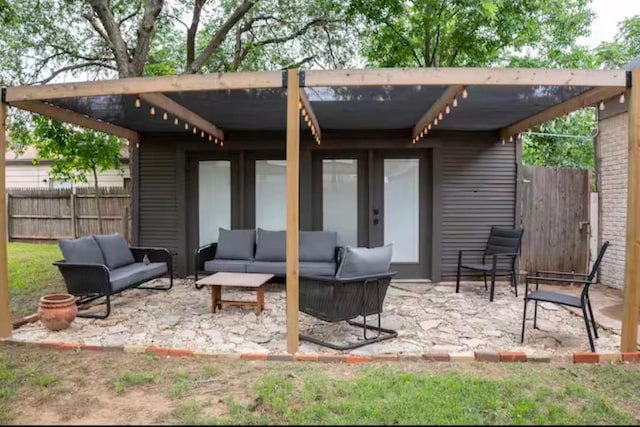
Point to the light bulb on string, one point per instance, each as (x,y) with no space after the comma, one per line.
(454,102)
(152,111)
(195,130)
(165,116)
(440,116)
(465,94)
(601,105)
(176,121)
(621,100)
(447,109)
(137,102)
(186,126)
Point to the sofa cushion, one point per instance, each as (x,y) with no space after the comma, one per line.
(82,250)
(235,244)
(136,273)
(271,245)
(318,246)
(228,265)
(317,268)
(279,268)
(365,261)
(115,250)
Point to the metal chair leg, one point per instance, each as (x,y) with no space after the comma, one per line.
(524,318)
(535,315)
(485,281)
(458,279)
(95,316)
(493,285)
(593,319)
(586,323)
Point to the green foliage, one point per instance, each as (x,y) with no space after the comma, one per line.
(75,153)
(574,150)
(129,378)
(450,33)
(624,48)
(31,275)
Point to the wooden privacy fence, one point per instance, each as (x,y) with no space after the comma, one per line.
(555,211)
(50,214)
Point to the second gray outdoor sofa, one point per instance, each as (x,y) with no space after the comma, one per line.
(264,251)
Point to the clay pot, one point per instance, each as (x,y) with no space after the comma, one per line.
(57,311)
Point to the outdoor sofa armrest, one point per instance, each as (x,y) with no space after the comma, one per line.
(85,278)
(154,254)
(462,251)
(370,277)
(202,255)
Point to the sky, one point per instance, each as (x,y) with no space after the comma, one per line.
(608,14)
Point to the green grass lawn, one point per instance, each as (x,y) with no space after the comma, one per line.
(31,275)
(147,389)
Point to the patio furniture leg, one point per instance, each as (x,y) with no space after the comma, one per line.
(260,305)
(159,288)
(484,274)
(514,281)
(91,315)
(535,315)
(493,284)
(593,319)
(216,295)
(458,276)
(524,318)
(586,323)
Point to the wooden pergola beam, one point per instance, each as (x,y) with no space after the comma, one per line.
(585,99)
(138,85)
(436,108)
(304,99)
(5,316)
(631,293)
(164,103)
(74,118)
(293,209)
(465,76)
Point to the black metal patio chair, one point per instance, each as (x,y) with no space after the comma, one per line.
(582,302)
(502,251)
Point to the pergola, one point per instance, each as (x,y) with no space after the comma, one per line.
(511,101)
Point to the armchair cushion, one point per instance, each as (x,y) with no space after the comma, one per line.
(235,244)
(228,265)
(318,246)
(115,250)
(365,261)
(271,245)
(81,250)
(135,273)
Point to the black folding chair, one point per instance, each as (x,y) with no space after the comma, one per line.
(581,302)
(502,250)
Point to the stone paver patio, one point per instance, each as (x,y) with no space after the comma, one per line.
(429,318)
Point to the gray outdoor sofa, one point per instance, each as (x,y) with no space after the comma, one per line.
(264,251)
(103,265)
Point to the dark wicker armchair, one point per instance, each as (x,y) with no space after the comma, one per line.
(335,299)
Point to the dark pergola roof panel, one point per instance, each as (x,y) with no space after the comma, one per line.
(340,108)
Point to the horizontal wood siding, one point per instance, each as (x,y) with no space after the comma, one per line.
(478,187)
(158,196)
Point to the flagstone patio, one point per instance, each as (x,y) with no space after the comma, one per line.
(429,318)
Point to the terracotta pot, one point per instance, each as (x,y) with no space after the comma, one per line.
(57,311)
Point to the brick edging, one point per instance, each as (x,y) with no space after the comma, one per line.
(478,356)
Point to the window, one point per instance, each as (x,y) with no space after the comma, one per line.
(271,194)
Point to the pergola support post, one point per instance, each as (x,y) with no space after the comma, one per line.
(293,184)
(5,316)
(629,339)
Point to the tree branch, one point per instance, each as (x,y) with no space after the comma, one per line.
(99,29)
(219,37)
(75,67)
(126,18)
(114,36)
(298,33)
(151,11)
(193,29)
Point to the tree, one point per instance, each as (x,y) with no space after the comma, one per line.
(624,48)
(451,33)
(76,153)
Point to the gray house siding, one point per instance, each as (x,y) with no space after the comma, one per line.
(478,191)
(474,187)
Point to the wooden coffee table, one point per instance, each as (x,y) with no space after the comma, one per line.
(237,280)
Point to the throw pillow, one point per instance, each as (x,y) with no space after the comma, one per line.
(364,261)
(235,244)
(318,246)
(271,245)
(115,250)
(81,250)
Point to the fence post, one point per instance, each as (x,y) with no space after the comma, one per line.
(8,213)
(74,233)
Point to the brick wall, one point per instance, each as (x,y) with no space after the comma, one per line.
(612,180)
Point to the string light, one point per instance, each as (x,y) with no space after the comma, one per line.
(221,143)
(186,126)
(216,141)
(454,102)
(137,102)
(152,111)
(210,138)
(465,94)
(440,116)
(195,130)
(137,145)
(176,121)
(503,142)
(601,105)
(49,122)
(511,138)
(165,116)
(435,122)
(202,134)
(621,100)
(447,109)
(421,134)
(429,127)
